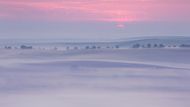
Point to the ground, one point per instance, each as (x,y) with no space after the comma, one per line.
(95,78)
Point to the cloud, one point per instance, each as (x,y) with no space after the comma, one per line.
(96,10)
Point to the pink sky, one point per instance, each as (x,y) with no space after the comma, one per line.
(96,10)
(93,18)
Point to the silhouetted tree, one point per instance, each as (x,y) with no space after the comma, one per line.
(149,45)
(185,46)
(107,47)
(155,45)
(25,47)
(136,46)
(161,46)
(117,46)
(93,47)
(76,48)
(99,47)
(8,47)
(87,47)
(67,48)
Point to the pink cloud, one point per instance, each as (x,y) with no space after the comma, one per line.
(96,10)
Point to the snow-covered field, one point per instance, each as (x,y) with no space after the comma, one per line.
(95,78)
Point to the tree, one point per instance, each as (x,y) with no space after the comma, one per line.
(107,47)
(117,46)
(155,45)
(185,46)
(149,45)
(136,46)
(99,47)
(67,48)
(93,47)
(87,47)
(76,48)
(8,47)
(161,46)
(25,47)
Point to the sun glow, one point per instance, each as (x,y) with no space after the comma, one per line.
(120,25)
(118,11)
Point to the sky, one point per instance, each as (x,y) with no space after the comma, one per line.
(93,18)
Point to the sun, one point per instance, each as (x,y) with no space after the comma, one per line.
(120,25)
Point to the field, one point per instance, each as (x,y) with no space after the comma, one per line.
(95,78)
